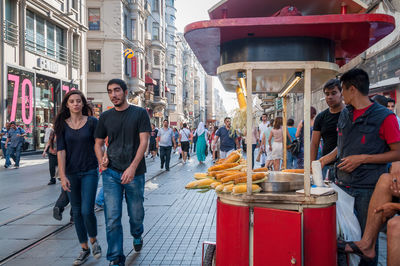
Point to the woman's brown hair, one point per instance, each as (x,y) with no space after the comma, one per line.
(278,122)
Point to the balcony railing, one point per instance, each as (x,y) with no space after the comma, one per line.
(10,32)
(56,52)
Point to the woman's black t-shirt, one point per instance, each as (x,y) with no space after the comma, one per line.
(79,147)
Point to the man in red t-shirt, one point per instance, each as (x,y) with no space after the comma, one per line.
(368,139)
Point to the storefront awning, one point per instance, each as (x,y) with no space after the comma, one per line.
(150,81)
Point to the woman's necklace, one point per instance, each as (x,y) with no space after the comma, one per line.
(76,126)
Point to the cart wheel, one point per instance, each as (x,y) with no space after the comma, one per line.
(209,258)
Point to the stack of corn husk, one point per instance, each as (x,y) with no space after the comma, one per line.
(228,176)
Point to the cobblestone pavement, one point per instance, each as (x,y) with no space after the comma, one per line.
(177,221)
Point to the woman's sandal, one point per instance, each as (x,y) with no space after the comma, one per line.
(341,246)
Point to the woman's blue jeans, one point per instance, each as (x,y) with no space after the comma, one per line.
(113,194)
(82,196)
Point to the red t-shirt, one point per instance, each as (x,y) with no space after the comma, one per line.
(389,130)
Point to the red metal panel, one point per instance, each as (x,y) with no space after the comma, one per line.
(264,8)
(232,235)
(277,237)
(320,236)
(352,33)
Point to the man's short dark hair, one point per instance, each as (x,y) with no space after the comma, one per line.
(120,82)
(331,84)
(226,118)
(357,78)
(184,125)
(264,114)
(165,120)
(290,122)
(12,123)
(382,100)
(390,100)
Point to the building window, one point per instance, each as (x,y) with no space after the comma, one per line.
(40,39)
(74,4)
(156,58)
(173,81)
(133,26)
(44,38)
(94,18)
(173,98)
(125,23)
(94,60)
(156,31)
(172,19)
(141,69)
(156,5)
(75,51)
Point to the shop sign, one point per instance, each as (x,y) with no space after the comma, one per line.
(278,104)
(48,65)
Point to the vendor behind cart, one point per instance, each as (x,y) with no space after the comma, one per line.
(368,139)
(325,124)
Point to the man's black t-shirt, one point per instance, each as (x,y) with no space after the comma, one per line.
(326,123)
(122,129)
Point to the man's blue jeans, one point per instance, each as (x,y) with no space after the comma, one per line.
(113,194)
(3,149)
(14,153)
(362,196)
(291,161)
(82,197)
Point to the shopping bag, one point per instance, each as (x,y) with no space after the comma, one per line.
(347,225)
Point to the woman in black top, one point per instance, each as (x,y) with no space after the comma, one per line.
(78,167)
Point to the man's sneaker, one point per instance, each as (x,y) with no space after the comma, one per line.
(6,166)
(83,256)
(98,208)
(16,166)
(57,213)
(116,263)
(96,250)
(137,244)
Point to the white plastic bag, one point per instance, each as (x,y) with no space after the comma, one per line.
(347,225)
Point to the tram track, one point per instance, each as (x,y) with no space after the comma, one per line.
(51,234)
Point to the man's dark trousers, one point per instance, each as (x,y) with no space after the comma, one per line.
(165,155)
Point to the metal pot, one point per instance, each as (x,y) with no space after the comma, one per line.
(282,182)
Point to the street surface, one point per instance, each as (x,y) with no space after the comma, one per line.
(176,223)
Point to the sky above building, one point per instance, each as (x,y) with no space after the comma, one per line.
(189,11)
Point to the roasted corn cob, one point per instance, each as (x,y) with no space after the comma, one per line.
(221,167)
(262,169)
(232,177)
(219,188)
(233,157)
(218,176)
(297,171)
(200,175)
(228,188)
(202,183)
(255,177)
(239,189)
(215,184)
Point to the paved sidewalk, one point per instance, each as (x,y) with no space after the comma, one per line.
(177,221)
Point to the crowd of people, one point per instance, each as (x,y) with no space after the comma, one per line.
(356,139)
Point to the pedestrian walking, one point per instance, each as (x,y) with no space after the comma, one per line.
(229,138)
(123,170)
(201,143)
(300,136)
(153,142)
(184,138)
(4,135)
(291,158)
(165,141)
(214,145)
(77,163)
(276,148)
(254,144)
(15,140)
(51,150)
(266,159)
(176,137)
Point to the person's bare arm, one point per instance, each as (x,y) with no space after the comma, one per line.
(129,173)
(61,158)
(349,163)
(98,149)
(269,140)
(329,158)
(315,140)
(299,127)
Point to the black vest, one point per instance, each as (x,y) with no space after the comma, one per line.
(361,137)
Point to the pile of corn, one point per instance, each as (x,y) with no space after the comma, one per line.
(228,176)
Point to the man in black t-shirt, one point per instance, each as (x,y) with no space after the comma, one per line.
(127,128)
(325,124)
